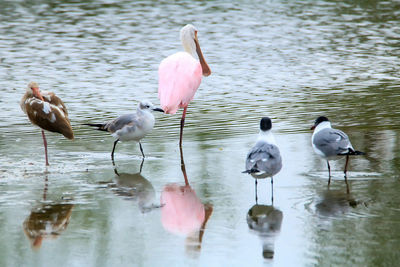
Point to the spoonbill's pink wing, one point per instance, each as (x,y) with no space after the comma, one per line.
(179,76)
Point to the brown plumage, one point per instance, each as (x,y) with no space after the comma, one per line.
(47,111)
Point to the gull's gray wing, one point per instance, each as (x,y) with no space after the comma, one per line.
(130,120)
(332,142)
(264,157)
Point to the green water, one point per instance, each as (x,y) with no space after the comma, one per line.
(289,61)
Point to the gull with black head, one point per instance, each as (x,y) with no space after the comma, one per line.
(331,144)
(130,127)
(264,159)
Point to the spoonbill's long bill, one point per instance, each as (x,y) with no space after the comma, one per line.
(180,75)
(47,111)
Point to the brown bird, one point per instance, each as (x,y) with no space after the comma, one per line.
(47,111)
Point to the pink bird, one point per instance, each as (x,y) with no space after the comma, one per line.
(179,75)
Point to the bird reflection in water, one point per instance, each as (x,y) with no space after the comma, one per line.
(135,187)
(335,202)
(47,221)
(266,221)
(183,213)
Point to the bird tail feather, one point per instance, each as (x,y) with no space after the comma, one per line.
(354,152)
(251,171)
(100,126)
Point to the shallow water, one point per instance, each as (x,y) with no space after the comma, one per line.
(290,61)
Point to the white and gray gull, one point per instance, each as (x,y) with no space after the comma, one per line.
(264,159)
(130,127)
(331,144)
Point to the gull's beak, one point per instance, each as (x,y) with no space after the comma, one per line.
(312,127)
(204,66)
(158,109)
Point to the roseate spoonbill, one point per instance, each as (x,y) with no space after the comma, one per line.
(264,159)
(180,75)
(129,127)
(331,144)
(47,111)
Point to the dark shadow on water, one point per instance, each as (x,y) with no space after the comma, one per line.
(334,202)
(135,187)
(183,213)
(265,221)
(48,220)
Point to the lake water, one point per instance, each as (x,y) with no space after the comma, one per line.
(289,60)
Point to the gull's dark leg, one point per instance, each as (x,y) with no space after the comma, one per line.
(272,190)
(347,185)
(345,174)
(345,166)
(329,170)
(141,149)
(115,169)
(182,124)
(141,165)
(112,153)
(255,185)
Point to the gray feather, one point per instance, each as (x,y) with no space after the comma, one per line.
(122,121)
(332,142)
(264,157)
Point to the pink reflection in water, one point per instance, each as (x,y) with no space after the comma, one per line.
(182,212)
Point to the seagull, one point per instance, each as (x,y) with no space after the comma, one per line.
(129,127)
(331,144)
(264,159)
(47,111)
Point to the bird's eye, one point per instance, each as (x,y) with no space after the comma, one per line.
(147,106)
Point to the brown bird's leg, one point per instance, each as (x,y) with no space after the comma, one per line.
(329,170)
(112,153)
(141,149)
(45,148)
(46,180)
(182,124)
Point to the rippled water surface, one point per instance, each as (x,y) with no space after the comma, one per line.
(289,60)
